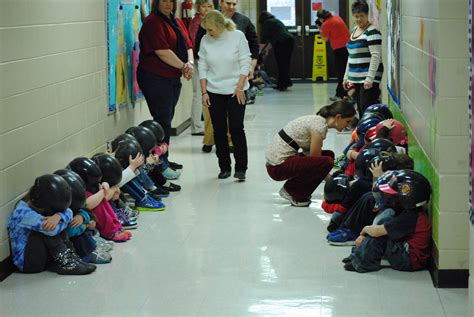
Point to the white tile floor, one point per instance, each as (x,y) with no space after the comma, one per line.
(233,249)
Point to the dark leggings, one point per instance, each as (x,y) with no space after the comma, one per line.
(366,97)
(41,249)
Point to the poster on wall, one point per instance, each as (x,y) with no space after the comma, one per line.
(471,108)
(393,48)
(329,5)
(123,26)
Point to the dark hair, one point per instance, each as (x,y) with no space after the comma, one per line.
(264,16)
(342,107)
(155,7)
(324,14)
(403,161)
(360,6)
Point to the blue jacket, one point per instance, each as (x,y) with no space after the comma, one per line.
(22,221)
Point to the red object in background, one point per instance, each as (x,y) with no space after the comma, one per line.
(316,6)
(186,12)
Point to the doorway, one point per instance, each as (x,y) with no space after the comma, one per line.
(299,16)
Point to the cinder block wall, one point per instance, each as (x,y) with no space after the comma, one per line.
(53,102)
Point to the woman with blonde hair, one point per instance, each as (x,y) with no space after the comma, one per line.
(224,64)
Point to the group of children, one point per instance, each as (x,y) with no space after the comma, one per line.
(376,200)
(69,220)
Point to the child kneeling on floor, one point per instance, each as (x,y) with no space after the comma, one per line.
(37,230)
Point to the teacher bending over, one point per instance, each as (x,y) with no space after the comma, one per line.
(296,153)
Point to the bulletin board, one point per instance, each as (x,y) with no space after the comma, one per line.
(393,48)
(471,109)
(123,26)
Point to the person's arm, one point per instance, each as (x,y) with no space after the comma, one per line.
(94,200)
(143,13)
(374,231)
(252,39)
(170,58)
(316,144)
(34,221)
(374,42)
(203,68)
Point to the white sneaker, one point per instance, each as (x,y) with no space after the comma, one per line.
(169,173)
(284,194)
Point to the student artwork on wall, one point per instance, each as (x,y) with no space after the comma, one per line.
(393,47)
(123,26)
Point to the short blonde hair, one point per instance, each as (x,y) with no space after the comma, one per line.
(217,19)
(201,2)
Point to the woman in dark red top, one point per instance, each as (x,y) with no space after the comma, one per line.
(165,55)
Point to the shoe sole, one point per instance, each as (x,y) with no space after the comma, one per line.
(342,244)
(150,209)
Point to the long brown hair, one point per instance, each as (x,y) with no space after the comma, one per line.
(342,107)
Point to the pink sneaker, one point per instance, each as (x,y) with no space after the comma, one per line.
(121,236)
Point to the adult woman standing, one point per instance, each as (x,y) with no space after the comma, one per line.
(335,30)
(273,31)
(165,55)
(224,64)
(303,173)
(364,67)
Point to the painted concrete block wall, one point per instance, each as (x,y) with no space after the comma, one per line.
(53,103)
(434,99)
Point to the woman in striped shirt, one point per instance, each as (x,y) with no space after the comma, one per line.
(364,67)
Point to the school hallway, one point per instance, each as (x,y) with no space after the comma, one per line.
(224,248)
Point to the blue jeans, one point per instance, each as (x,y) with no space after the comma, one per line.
(134,189)
(367,256)
(145,180)
(383,216)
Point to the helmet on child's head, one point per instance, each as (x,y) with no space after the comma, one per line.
(336,188)
(383,145)
(121,138)
(381,109)
(126,149)
(145,137)
(78,188)
(89,171)
(371,115)
(406,189)
(397,134)
(51,193)
(387,160)
(370,120)
(110,167)
(384,179)
(156,128)
(362,162)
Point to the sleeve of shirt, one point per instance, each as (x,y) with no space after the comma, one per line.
(34,221)
(325,30)
(85,215)
(252,39)
(127,175)
(356,191)
(265,34)
(155,37)
(374,41)
(402,225)
(202,65)
(244,59)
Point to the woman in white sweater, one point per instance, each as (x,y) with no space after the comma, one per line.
(224,64)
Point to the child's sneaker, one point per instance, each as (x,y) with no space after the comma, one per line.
(68,263)
(130,213)
(124,220)
(159,192)
(171,187)
(121,236)
(170,173)
(341,237)
(149,204)
(97,257)
(102,243)
(284,194)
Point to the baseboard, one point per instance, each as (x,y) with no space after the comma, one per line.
(447,278)
(179,129)
(6,268)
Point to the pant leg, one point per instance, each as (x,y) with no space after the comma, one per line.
(303,174)
(84,244)
(367,256)
(157,177)
(368,97)
(360,214)
(340,55)
(39,251)
(397,254)
(196,106)
(236,114)
(283,53)
(145,181)
(218,112)
(134,189)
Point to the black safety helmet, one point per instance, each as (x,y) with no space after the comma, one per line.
(52,193)
(120,138)
(384,179)
(382,144)
(336,188)
(145,137)
(125,149)
(407,190)
(362,162)
(110,167)
(381,109)
(371,115)
(78,188)
(156,128)
(89,171)
(388,163)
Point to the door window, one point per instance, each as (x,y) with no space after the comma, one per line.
(283,10)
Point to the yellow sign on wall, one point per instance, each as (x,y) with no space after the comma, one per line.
(320,68)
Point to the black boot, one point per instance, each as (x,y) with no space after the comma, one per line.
(67,263)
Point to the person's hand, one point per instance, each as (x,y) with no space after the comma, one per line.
(91,225)
(345,85)
(76,221)
(240,95)
(50,223)
(111,192)
(376,169)
(251,74)
(206,101)
(105,186)
(368,84)
(116,195)
(188,70)
(388,123)
(136,162)
(359,240)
